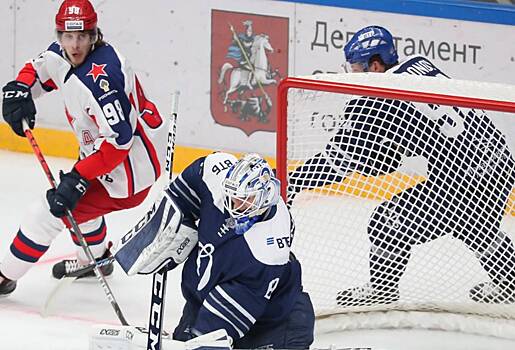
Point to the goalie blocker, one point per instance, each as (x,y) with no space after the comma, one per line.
(162,237)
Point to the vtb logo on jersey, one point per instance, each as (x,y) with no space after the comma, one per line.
(249,54)
(97,70)
(282,242)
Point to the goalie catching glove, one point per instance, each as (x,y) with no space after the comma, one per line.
(162,237)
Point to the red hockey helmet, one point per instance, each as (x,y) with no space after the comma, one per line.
(74,15)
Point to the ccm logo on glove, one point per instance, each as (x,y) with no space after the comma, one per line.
(71,188)
(16,94)
(17,106)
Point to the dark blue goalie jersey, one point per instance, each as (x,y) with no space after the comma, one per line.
(234,281)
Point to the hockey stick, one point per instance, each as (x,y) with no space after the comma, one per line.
(155,322)
(88,268)
(67,280)
(75,227)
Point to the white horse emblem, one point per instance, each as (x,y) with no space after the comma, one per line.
(241,77)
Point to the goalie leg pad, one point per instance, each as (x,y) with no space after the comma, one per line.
(102,337)
(111,337)
(159,238)
(215,340)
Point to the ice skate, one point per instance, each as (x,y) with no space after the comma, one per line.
(6,286)
(65,267)
(366,295)
(491,293)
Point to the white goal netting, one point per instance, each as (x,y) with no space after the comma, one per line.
(402,202)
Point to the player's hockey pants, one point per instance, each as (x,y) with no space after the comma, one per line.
(425,212)
(39,228)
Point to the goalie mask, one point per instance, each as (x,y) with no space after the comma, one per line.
(250,187)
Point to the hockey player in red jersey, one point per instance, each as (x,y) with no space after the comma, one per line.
(121,135)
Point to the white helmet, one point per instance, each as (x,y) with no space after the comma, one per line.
(250,187)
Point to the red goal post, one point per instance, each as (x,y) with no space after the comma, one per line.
(368,90)
(345,240)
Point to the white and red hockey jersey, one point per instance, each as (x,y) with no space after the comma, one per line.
(121,134)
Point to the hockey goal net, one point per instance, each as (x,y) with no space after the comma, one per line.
(401,188)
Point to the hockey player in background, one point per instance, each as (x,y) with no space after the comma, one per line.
(121,135)
(241,275)
(470,176)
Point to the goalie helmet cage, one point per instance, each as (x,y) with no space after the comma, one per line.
(332,220)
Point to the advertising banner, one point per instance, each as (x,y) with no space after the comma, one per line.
(226,57)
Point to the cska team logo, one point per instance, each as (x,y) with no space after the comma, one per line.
(249,55)
(96,71)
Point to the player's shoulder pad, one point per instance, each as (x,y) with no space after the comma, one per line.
(270,240)
(217,164)
(56,48)
(417,65)
(54,53)
(215,167)
(103,71)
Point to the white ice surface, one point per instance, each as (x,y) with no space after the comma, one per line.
(84,304)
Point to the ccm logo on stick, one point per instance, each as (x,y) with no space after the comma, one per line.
(155,311)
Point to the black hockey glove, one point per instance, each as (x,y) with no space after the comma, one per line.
(18,104)
(71,188)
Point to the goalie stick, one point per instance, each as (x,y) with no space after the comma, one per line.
(157,302)
(76,230)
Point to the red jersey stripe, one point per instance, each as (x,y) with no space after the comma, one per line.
(150,149)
